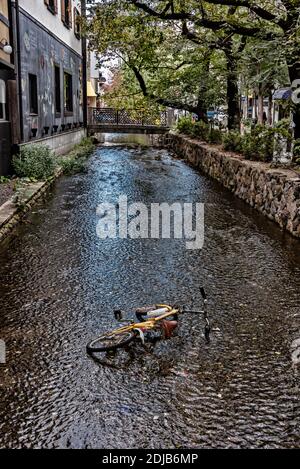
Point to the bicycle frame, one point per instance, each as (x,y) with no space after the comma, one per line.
(150,323)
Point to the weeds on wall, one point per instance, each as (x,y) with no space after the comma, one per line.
(76,160)
(35,161)
(38,162)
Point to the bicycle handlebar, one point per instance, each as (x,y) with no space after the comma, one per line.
(188,311)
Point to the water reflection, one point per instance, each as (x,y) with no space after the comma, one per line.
(60,285)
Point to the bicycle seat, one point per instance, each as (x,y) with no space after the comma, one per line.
(169,327)
(145,310)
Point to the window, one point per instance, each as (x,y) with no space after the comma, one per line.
(68,89)
(77,28)
(33,94)
(57,89)
(52,6)
(2,100)
(66,13)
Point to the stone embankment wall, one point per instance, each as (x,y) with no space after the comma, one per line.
(274,192)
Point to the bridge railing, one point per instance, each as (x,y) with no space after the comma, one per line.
(134,117)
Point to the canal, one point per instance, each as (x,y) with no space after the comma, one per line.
(59,285)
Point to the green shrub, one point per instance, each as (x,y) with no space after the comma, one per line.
(71,165)
(201,131)
(283,127)
(296,151)
(215,136)
(75,161)
(259,144)
(84,148)
(233,141)
(35,162)
(185,125)
(4,180)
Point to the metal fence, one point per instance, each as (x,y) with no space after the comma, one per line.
(134,117)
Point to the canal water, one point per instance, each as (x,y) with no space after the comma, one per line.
(59,285)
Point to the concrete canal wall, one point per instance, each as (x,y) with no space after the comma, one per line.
(60,143)
(274,192)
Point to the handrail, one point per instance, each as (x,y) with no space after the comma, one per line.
(121,117)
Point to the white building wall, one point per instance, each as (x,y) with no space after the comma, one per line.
(38,10)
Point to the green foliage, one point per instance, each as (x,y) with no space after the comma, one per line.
(253,146)
(84,148)
(175,71)
(4,180)
(215,136)
(35,161)
(233,141)
(200,130)
(297,151)
(185,125)
(20,192)
(71,165)
(256,145)
(76,160)
(260,143)
(192,55)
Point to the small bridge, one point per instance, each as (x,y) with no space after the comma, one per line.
(108,120)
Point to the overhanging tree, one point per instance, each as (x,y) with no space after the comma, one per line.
(169,69)
(272,20)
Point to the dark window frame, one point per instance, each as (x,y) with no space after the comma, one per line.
(68,93)
(66,13)
(57,89)
(51,6)
(33,94)
(77,26)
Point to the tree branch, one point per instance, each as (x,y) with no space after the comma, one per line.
(162,101)
(259,11)
(204,22)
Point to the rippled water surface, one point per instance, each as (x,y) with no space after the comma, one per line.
(60,284)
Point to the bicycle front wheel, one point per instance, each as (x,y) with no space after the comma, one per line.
(110,341)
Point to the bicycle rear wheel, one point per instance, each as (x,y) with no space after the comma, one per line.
(110,341)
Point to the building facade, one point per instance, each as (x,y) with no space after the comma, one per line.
(50,68)
(8,91)
(42,75)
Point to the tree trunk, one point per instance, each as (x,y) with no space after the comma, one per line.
(202,94)
(294,73)
(293,61)
(254,112)
(270,108)
(260,116)
(202,109)
(233,101)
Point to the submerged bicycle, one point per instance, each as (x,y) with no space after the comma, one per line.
(159,318)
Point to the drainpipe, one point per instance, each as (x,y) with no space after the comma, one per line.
(11,36)
(84,68)
(19,69)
